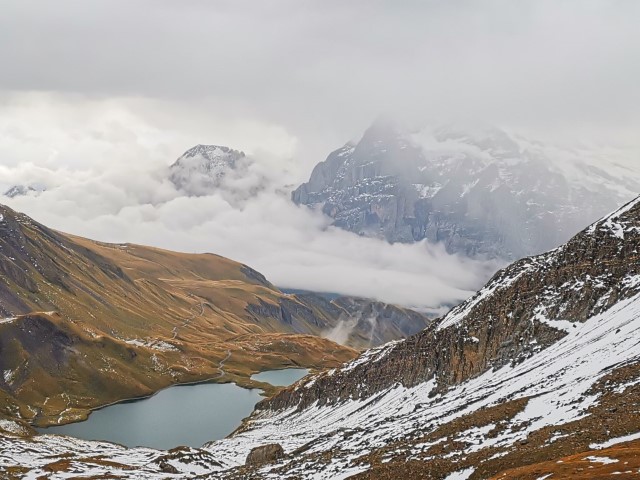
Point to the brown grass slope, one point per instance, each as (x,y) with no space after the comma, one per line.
(84,323)
(620,461)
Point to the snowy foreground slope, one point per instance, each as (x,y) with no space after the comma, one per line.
(542,363)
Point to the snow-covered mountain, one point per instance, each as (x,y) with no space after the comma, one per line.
(21,190)
(202,168)
(539,368)
(480,191)
(213,169)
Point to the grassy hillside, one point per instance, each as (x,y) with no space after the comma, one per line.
(84,323)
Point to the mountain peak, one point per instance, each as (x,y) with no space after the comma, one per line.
(383,129)
(201,168)
(211,152)
(22,190)
(476,190)
(210,158)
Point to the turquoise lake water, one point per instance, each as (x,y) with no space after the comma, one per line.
(188,415)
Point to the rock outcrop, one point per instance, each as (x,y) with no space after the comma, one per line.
(265,454)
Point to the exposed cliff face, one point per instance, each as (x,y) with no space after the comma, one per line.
(484,194)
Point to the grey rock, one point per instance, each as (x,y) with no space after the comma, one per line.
(265,454)
(202,168)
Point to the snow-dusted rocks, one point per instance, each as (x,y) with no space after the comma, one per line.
(206,169)
(481,192)
(553,368)
(202,168)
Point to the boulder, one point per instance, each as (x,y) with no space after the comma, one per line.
(265,454)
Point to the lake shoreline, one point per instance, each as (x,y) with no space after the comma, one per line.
(216,419)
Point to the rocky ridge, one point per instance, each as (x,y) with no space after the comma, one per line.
(522,310)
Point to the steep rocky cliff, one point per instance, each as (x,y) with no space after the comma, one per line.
(480,193)
(523,309)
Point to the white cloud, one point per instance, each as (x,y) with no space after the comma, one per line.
(291,245)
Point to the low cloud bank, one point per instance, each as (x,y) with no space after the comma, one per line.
(293,246)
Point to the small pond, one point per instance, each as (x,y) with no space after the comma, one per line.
(188,415)
(281,378)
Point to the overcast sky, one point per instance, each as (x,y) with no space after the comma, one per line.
(300,76)
(94,90)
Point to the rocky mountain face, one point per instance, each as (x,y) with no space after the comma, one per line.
(485,193)
(523,309)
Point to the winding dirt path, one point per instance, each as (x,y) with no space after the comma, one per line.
(221,364)
(189,320)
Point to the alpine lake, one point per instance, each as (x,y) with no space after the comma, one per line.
(182,415)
